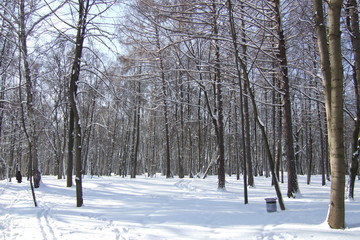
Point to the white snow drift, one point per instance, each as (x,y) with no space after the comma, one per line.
(160,208)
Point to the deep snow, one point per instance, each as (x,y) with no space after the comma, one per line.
(160,208)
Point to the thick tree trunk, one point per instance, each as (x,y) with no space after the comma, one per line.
(331,64)
(336,128)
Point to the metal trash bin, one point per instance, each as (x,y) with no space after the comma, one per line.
(270,204)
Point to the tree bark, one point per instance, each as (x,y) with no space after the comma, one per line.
(293,186)
(136,135)
(219,117)
(29,116)
(352,23)
(250,174)
(331,63)
(336,128)
(267,146)
(263,133)
(165,102)
(70,157)
(244,135)
(74,78)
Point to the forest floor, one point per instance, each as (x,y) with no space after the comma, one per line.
(160,208)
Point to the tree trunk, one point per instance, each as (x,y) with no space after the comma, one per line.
(309,156)
(331,62)
(165,104)
(322,146)
(293,187)
(136,134)
(219,117)
(88,134)
(28,120)
(74,78)
(199,130)
(352,23)
(263,133)
(267,146)
(70,157)
(243,124)
(180,133)
(250,174)
(336,128)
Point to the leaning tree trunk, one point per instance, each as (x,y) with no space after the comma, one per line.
(246,151)
(263,133)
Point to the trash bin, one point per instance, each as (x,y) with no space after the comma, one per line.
(271,204)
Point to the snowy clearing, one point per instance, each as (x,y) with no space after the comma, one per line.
(160,208)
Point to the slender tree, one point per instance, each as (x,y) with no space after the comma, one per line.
(238,69)
(352,23)
(136,131)
(21,19)
(74,121)
(218,119)
(293,187)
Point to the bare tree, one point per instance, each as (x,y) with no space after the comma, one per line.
(21,24)
(245,143)
(352,24)
(331,61)
(293,187)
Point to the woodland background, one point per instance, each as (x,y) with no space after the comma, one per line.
(157,77)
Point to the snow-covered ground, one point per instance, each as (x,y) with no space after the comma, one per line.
(160,208)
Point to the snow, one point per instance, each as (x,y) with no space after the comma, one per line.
(260,122)
(160,208)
